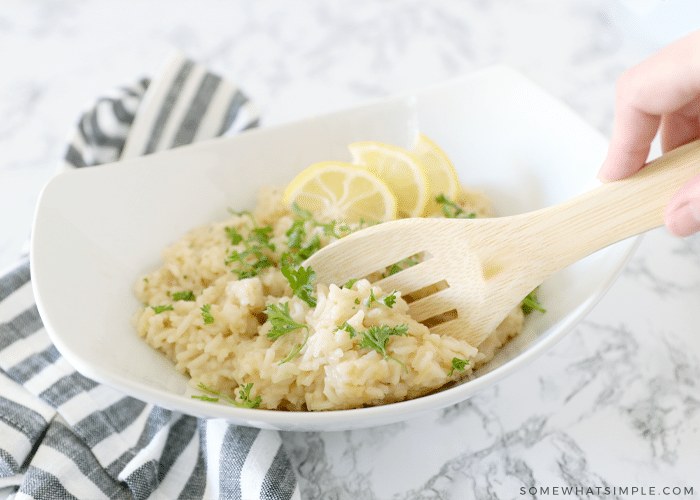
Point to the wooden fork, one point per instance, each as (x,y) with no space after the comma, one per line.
(491,264)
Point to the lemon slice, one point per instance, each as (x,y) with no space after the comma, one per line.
(402,171)
(441,174)
(341,191)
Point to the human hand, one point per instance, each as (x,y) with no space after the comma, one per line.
(661,93)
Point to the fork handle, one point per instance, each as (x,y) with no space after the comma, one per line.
(617,210)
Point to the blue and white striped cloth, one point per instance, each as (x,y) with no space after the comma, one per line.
(64,436)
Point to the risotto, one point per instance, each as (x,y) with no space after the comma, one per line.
(232,309)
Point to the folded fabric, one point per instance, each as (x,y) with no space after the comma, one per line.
(64,436)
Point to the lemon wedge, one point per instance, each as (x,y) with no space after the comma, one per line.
(441,173)
(341,191)
(402,171)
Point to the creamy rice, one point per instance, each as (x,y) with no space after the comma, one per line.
(214,328)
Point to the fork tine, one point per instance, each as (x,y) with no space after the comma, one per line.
(366,251)
(432,305)
(458,328)
(412,278)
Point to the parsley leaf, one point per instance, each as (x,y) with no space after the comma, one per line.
(233,235)
(348,328)
(206,314)
(262,235)
(281,320)
(187,295)
(530,302)
(251,260)
(160,309)
(296,349)
(244,394)
(376,337)
(401,265)
(388,300)
(296,234)
(303,214)
(459,365)
(298,255)
(452,210)
(300,280)
(241,213)
(350,283)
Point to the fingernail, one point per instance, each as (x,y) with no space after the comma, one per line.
(684,220)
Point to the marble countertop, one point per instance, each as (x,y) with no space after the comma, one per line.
(616,404)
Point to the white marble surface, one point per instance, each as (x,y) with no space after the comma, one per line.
(615,404)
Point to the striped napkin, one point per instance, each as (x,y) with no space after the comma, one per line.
(64,436)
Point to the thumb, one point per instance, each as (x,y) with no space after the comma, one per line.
(682,216)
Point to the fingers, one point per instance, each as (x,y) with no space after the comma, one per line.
(665,85)
(681,126)
(682,216)
(629,147)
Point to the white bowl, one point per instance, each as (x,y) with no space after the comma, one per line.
(97,229)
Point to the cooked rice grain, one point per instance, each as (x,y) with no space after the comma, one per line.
(331,371)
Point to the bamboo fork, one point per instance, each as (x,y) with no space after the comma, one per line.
(490,265)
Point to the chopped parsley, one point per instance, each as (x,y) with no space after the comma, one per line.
(333,228)
(187,295)
(530,302)
(254,257)
(244,395)
(348,328)
(401,265)
(296,349)
(300,280)
(376,338)
(233,235)
(387,300)
(350,283)
(452,210)
(160,309)
(281,320)
(459,365)
(206,314)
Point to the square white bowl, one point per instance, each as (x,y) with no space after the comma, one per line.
(97,229)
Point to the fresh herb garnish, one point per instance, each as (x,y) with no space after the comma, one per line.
(350,283)
(530,302)
(233,235)
(459,365)
(281,320)
(204,397)
(333,228)
(300,280)
(452,210)
(257,245)
(401,265)
(187,295)
(241,213)
(297,255)
(296,349)
(244,394)
(376,338)
(160,309)
(388,300)
(206,314)
(348,328)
